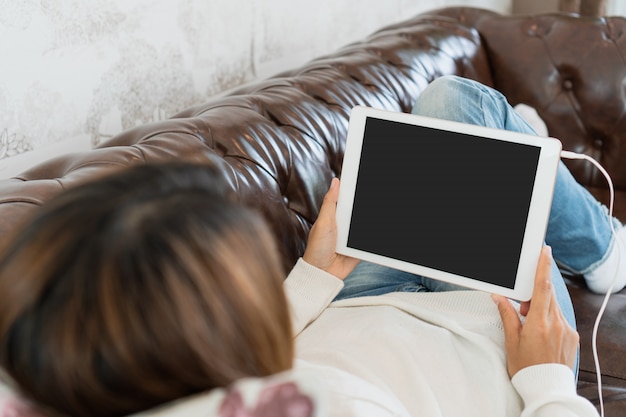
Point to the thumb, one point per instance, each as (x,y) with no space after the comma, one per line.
(510,319)
(329,205)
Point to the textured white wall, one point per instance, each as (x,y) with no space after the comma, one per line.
(613,7)
(616,8)
(76,72)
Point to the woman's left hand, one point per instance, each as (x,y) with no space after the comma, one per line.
(320,250)
(545,336)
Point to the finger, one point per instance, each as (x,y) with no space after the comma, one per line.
(524,307)
(543,293)
(329,204)
(510,320)
(333,190)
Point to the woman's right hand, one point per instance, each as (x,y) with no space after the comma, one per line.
(545,336)
(320,250)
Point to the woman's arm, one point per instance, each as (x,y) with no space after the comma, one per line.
(549,390)
(309,291)
(320,249)
(541,351)
(318,277)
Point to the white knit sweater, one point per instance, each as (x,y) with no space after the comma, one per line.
(417,354)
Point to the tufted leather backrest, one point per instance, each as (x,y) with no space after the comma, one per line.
(280,141)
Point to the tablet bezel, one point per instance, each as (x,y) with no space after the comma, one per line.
(540,204)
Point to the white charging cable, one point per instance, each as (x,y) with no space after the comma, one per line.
(594,336)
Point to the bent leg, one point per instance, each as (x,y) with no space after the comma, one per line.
(578,230)
(467,101)
(459,99)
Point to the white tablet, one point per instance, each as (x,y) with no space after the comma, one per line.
(456,202)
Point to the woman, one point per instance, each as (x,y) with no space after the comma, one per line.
(170,287)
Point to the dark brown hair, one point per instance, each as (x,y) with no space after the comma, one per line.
(144,286)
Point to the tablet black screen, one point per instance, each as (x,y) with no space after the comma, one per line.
(444,200)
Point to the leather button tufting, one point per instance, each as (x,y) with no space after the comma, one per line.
(598,143)
(568,84)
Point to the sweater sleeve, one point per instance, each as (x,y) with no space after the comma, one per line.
(549,390)
(309,291)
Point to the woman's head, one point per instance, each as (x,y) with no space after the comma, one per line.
(144,286)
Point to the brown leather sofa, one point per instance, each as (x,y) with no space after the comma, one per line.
(281,140)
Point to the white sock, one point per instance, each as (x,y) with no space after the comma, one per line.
(532,118)
(612,270)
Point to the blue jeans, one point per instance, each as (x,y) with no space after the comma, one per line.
(578,227)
